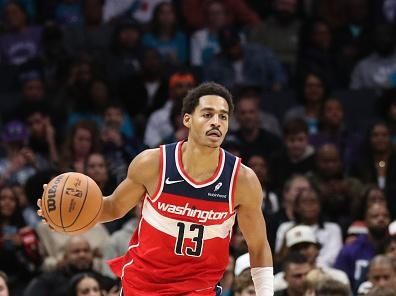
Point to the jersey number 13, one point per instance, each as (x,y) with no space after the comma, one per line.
(196,250)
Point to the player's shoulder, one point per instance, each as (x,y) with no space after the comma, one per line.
(245,176)
(146,162)
(247,186)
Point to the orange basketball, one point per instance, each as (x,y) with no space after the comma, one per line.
(71,203)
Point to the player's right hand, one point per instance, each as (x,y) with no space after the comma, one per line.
(40,210)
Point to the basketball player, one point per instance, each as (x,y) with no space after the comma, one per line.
(191,192)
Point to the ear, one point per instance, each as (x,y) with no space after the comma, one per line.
(187,120)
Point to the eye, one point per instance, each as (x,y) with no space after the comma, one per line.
(223,117)
(207,115)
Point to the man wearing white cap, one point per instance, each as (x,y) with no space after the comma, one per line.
(301,239)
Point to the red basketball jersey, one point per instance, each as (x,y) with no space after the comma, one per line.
(181,244)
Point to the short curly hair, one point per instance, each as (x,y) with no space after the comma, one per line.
(191,100)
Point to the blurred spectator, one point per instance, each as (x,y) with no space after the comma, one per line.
(238,13)
(283,22)
(77,257)
(295,267)
(267,120)
(382,291)
(354,230)
(293,186)
(29,213)
(301,239)
(312,92)
(298,156)
(244,65)
(20,162)
(243,284)
(371,194)
(377,164)
(254,139)
(351,40)
(81,141)
(378,70)
(69,13)
(139,10)
(340,194)
(149,90)
(384,11)
(354,258)
(159,126)
(93,37)
(123,60)
(204,43)
(176,119)
(332,129)
(238,243)
(381,272)
(3,284)
(165,35)
(227,280)
(84,284)
(330,287)
(42,137)
(307,211)
(119,142)
(21,42)
(19,257)
(388,111)
(316,53)
(259,165)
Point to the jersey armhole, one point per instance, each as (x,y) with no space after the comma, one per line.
(234,178)
(160,184)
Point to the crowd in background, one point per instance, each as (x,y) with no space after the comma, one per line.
(85,85)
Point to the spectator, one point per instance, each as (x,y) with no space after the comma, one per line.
(381,272)
(253,138)
(382,291)
(159,126)
(21,42)
(259,165)
(20,162)
(307,211)
(123,60)
(378,70)
(283,22)
(68,13)
(377,164)
(84,284)
(351,40)
(165,35)
(301,239)
(176,120)
(244,65)
(82,140)
(298,157)
(239,13)
(78,257)
(354,258)
(371,194)
(204,43)
(332,129)
(296,267)
(3,284)
(29,213)
(330,287)
(42,137)
(267,120)
(293,186)
(388,111)
(149,89)
(243,284)
(93,37)
(340,194)
(312,92)
(19,256)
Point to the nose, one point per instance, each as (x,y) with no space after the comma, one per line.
(215,121)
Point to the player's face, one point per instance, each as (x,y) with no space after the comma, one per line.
(88,287)
(208,124)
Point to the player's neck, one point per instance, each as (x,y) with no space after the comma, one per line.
(199,162)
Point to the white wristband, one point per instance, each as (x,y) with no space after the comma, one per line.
(263,279)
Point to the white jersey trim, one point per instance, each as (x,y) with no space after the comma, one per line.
(163,171)
(169,225)
(231,198)
(178,166)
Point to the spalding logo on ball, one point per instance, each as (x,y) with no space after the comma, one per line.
(72,203)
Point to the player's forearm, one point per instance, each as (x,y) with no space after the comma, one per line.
(260,254)
(110,210)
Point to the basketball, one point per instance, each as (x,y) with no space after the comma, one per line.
(72,203)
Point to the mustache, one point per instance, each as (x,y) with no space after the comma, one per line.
(214,129)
